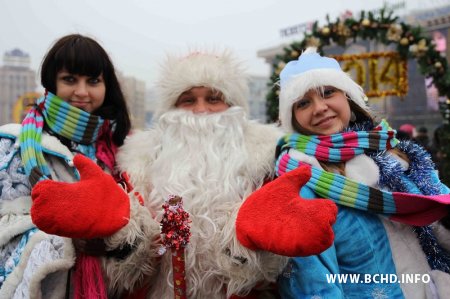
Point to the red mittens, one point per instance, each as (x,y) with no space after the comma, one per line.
(276,219)
(94,207)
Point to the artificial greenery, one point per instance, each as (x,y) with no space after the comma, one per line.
(383,27)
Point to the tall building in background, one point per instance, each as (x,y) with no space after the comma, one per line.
(16,79)
(135,95)
(151,101)
(257,101)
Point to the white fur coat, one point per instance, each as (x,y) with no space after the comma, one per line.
(217,266)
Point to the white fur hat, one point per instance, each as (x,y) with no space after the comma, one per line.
(220,71)
(312,71)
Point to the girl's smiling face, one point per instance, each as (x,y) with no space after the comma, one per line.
(322,111)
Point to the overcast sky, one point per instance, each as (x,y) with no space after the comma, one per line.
(137,34)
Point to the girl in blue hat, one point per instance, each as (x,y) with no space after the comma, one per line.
(389,197)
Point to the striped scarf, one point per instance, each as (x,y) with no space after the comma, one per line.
(413,209)
(62,119)
(343,146)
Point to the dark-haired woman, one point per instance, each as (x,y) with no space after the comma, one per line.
(82,112)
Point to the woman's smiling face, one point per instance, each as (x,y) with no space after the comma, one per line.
(322,111)
(84,92)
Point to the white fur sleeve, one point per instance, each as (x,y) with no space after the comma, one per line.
(142,234)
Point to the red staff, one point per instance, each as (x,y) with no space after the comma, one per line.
(175,232)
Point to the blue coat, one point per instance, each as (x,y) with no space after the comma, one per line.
(367,255)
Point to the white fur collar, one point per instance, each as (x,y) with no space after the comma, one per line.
(363,169)
(302,157)
(49,143)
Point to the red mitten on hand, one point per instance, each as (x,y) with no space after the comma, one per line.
(94,207)
(276,219)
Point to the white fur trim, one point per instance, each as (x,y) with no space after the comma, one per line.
(302,157)
(11,129)
(261,144)
(362,169)
(408,257)
(259,267)
(442,282)
(136,155)
(141,232)
(49,142)
(217,70)
(13,225)
(301,84)
(38,276)
(19,206)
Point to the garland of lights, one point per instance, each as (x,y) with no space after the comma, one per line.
(410,42)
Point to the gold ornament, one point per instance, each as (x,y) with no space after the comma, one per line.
(419,49)
(404,41)
(281,64)
(394,32)
(313,42)
(343,30)
(325,30)
(365,22)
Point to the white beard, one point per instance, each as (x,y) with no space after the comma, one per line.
(202,158)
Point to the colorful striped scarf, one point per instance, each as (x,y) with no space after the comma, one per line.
(343,146)
(62,119)
(413,209)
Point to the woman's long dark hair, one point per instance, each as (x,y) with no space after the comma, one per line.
(81,55)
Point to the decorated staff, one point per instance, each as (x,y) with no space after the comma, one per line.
(175,232)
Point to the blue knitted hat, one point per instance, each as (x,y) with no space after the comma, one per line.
(311,71)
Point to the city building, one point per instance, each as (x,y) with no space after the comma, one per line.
(16,79)
(135,95)
(258,90)
(150,100)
